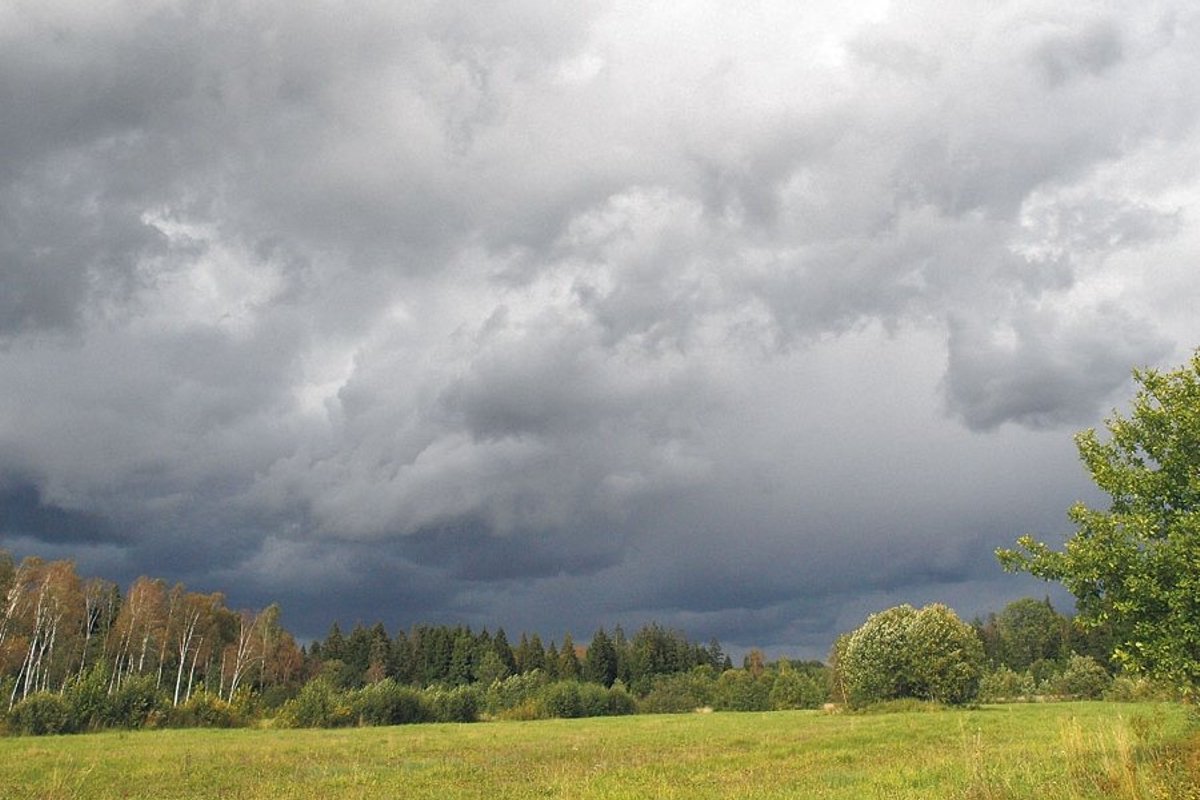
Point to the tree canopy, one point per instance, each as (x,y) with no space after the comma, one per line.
(1135,566)
(928,654)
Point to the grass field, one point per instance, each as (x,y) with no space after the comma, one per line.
(1076,750)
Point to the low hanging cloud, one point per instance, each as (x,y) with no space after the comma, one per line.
(744,319)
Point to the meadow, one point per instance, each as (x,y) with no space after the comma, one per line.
(1045,751)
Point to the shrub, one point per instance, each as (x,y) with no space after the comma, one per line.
(389,703)
(89,701)
(620,701)
(318,705)
(680,693)
(41,713)
(137,704)
(593,700)
(515,691)
(1126,689)
(561,699)
(739,690)
(795,689)
(1084,678)
(929,654)
(457,704)
(1002,684)
(204,710)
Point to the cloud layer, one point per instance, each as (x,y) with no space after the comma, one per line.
(747,319)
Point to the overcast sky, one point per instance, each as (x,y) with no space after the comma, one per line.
(748,318)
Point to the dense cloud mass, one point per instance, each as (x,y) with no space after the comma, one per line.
(746,318)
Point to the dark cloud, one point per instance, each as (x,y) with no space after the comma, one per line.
(23,514)
(748,320)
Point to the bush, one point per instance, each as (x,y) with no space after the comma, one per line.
(515,692)
(593,700)
(389,703)
(89,701)
(929,655)
(739,690)
(680,693)
(137,704)
(204,710)
(457,704)
(39,714)
(794,689)
(571,699)
(1002,684)
(1084,678)
(561,700)
(1125,689)
(620,701)
(318,705)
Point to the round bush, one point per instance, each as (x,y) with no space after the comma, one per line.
(562,700)
(389,703)
(318,705)
(929,655)
(39,714)
(204,710)
(458,704)
(1084,677)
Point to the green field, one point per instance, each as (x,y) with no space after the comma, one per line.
(1070,750)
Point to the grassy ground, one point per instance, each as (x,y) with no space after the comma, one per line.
(1078,750)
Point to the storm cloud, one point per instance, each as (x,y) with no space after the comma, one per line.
(749,319)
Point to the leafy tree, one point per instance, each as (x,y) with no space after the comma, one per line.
(490,668)
(1084,677)
(1028,630)
(741,690)
(1135,566)
(928,654)
(793,688)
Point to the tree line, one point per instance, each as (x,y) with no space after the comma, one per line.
(79,654)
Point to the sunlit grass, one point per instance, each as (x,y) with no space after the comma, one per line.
(1069,751)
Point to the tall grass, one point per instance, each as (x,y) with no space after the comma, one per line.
(1124,758)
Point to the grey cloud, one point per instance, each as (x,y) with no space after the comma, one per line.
(1044,371)
(24,514)
(540,313)
(1090,51)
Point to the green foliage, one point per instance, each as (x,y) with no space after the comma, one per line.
(571,699)
(388,703)
(600,664)
(89,701)
(1083,678)
(902,652)
(1028,630)
(681,692)
(514,692)
(740,690)
(137,704)
(41,713)
(793,688)
(1128,689)
(1003,684)
(561,699)
(620,701)
(318,705)
(205,710)
(1136,566)
(455,704)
